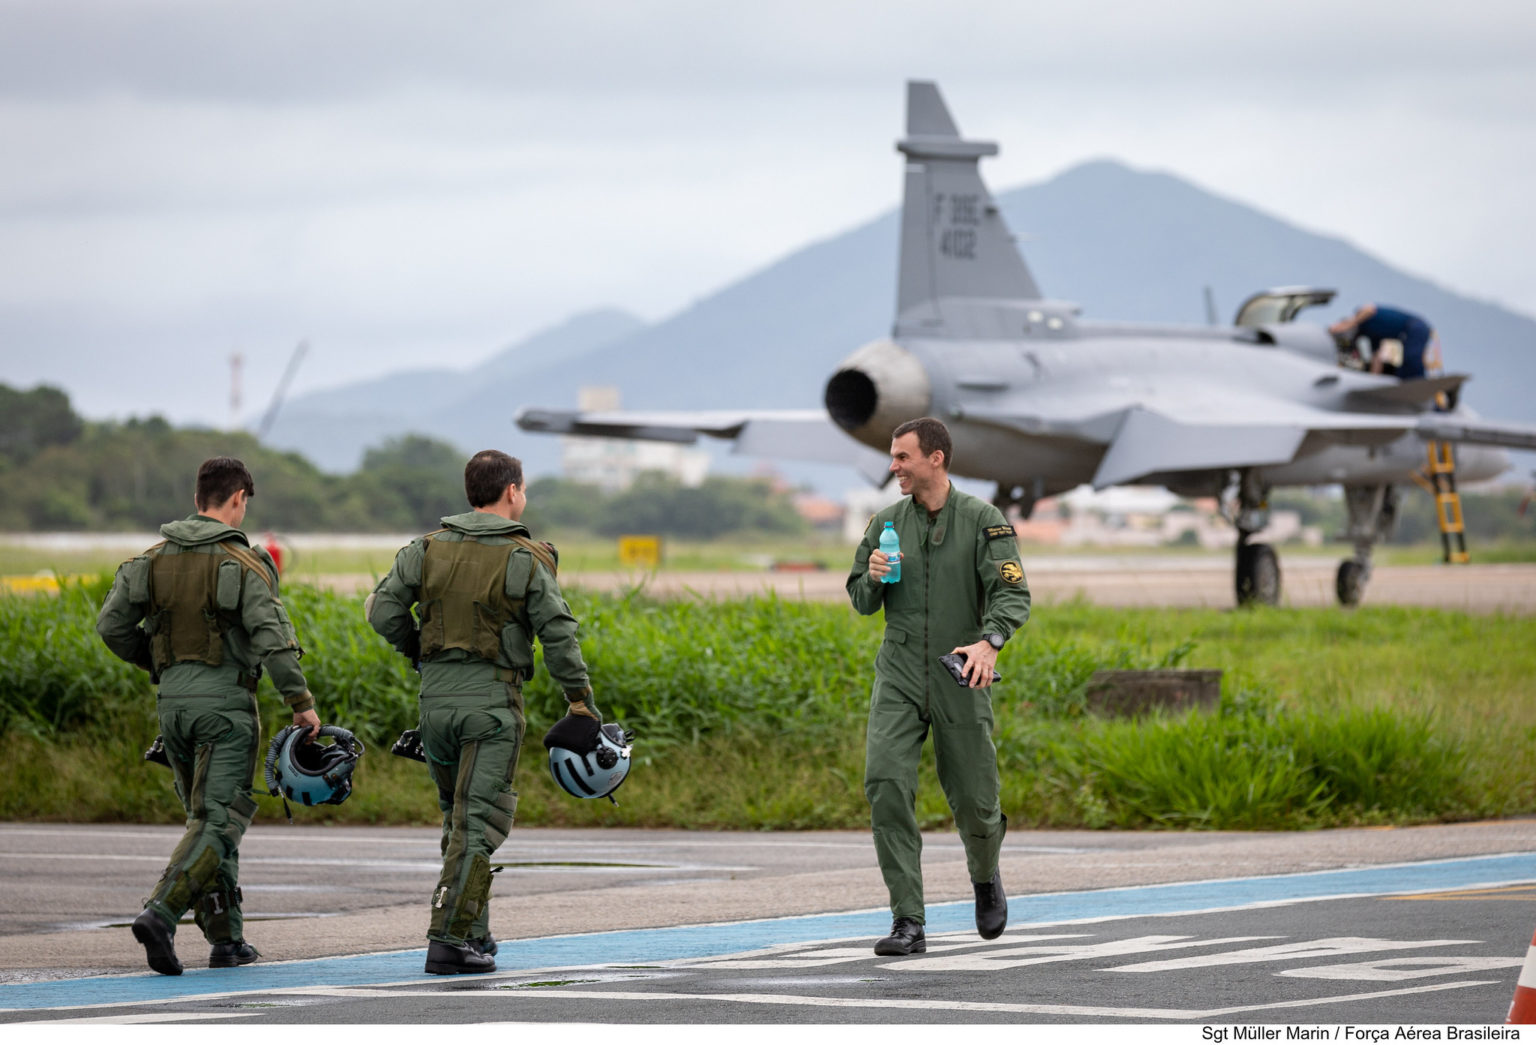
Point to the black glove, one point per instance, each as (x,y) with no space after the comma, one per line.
(409,746)
(156,753)
(578,733)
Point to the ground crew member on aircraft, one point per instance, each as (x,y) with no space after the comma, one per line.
(1378,323)
(200,612)
(483,589)
(962,590)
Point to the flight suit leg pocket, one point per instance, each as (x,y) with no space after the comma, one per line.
(891,648)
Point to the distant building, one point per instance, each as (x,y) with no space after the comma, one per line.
(823,513)
(1146,517)
(1047,524)
(614,464)
(862,504)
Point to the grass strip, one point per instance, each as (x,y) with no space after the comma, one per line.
(750,715)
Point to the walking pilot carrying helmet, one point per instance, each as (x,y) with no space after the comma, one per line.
(465,604)
(200,612)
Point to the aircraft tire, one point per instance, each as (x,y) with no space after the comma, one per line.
(1349,584)
(1257,575)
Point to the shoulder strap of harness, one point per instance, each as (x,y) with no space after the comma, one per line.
(533,547)
(248,559)
(539,552)
(149,576)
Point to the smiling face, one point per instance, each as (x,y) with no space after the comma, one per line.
(917,475)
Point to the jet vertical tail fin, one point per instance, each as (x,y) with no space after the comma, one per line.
(956,250)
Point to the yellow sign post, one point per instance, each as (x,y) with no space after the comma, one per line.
(640,550)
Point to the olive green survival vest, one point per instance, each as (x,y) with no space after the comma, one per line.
(464,602)
(192,597)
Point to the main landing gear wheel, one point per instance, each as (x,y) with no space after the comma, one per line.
(1350,582)
(1258,575)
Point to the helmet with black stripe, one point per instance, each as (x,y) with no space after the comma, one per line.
(596,773)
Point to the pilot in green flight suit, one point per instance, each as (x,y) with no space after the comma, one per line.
(483,590)
(962,590)
(201,613)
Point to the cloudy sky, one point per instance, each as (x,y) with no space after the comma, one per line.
(409,184)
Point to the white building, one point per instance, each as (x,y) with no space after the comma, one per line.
(614,464)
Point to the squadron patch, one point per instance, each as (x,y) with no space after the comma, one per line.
(995,533)
(1011,571)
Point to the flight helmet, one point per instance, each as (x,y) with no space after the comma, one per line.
(599,772)
(311,773)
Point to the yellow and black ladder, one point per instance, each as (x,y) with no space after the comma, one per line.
(1441,484)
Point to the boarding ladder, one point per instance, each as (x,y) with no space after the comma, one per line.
(1440,476)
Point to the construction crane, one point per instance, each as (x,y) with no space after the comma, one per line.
(278,394)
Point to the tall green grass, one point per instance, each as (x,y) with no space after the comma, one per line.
(750,714)
(1242,769)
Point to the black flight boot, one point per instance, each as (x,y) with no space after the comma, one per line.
(991,907)
(906,938)
(445,959)
(159,942)
(229,955)
(486,945)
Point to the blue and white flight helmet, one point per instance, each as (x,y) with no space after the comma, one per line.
(598,773)
(310,773)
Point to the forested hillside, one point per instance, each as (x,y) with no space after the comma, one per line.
(61,472)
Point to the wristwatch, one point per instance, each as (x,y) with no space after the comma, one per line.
(994,640)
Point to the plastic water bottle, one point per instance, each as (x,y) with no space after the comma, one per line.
(890,544)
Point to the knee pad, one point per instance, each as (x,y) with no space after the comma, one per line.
(188,883)
(498,822)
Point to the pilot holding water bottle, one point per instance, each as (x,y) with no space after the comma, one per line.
(945,568)
(890,548)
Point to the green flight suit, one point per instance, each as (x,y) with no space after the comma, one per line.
(472,720)
(960,579)
(228,597)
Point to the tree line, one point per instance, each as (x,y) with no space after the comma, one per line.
(59,471)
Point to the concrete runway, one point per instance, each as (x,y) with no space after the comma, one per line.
(1414,925)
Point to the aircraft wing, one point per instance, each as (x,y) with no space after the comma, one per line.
(801,435)
(1148,442)
(1452,428)
(1238,432)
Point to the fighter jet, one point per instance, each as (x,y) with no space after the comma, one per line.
(1040,400)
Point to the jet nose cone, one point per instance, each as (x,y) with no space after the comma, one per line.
(877,388)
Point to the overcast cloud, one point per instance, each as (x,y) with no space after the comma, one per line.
(412,184)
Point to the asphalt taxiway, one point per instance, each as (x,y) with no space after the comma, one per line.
(1413,925)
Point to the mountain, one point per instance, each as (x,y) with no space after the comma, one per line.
(1123,243)
(466,407)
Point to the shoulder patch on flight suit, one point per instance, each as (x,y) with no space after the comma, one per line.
(995,533)
(1011,571)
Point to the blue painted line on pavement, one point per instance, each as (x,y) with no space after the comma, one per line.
(645,946)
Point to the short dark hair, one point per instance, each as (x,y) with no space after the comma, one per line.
(488,474)
(219,479)
(931,436)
